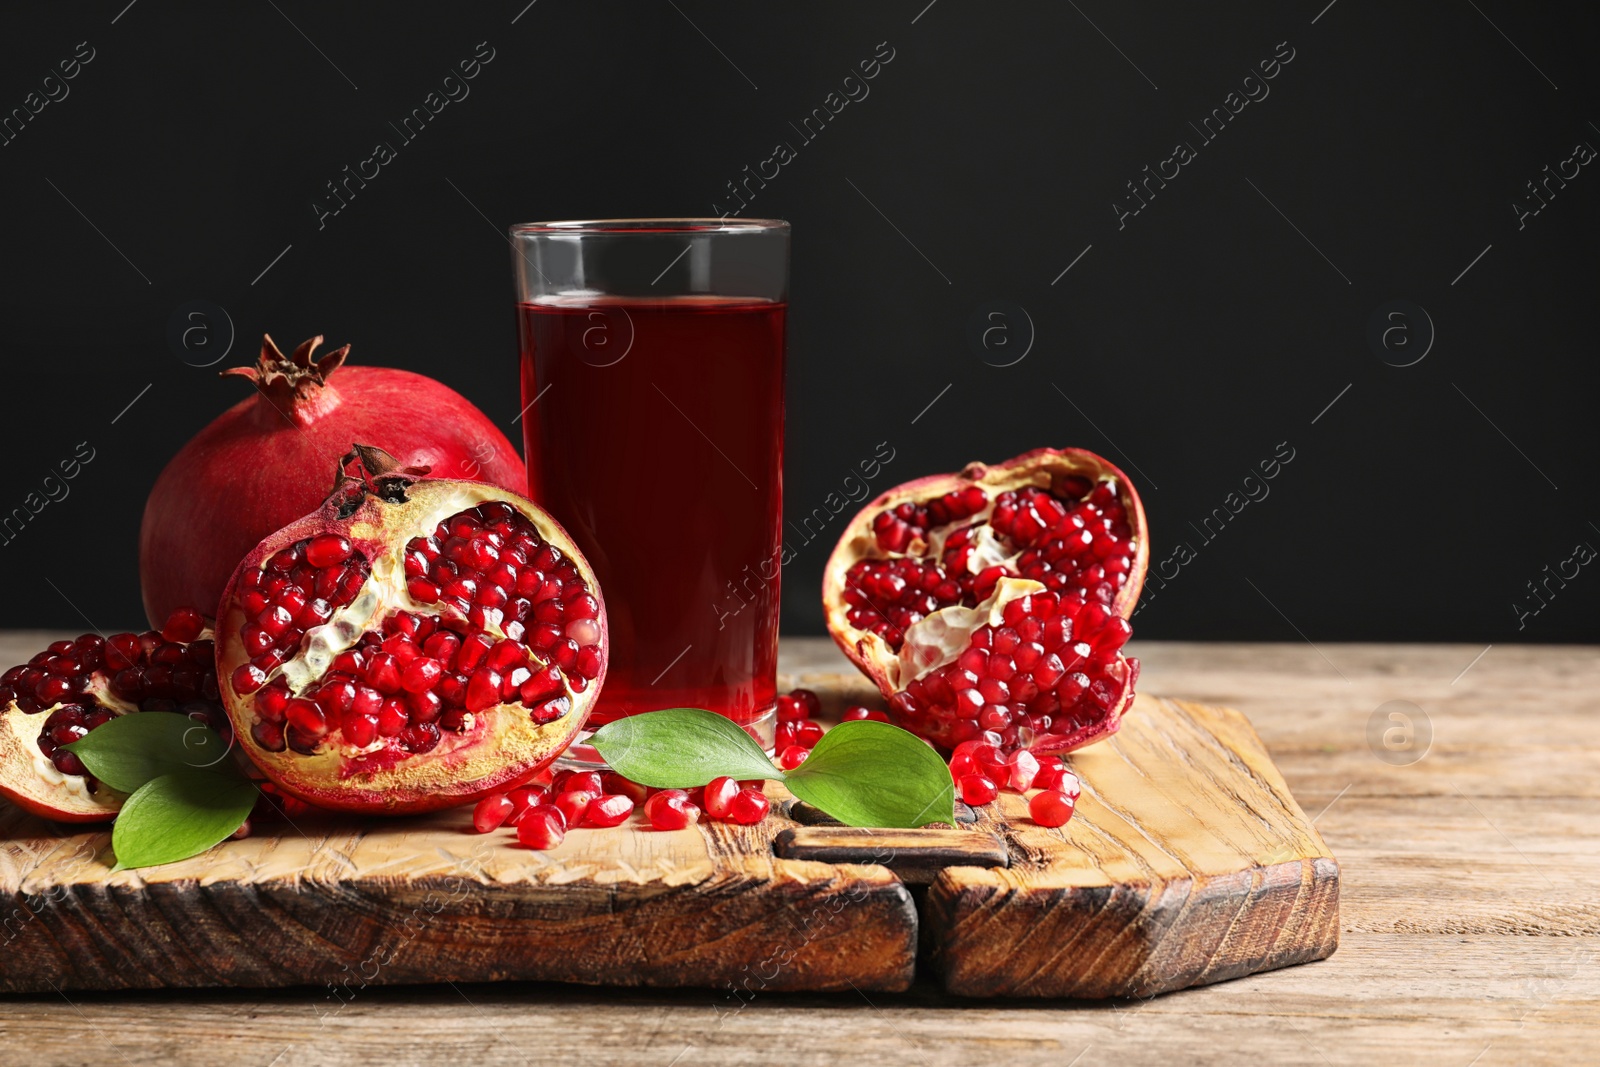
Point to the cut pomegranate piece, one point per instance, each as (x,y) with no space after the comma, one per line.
(992,603)
(381,654)
(72,687)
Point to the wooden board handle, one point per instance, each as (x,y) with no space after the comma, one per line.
(917,856)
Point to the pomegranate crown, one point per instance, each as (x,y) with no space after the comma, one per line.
(285,379)
(367,470)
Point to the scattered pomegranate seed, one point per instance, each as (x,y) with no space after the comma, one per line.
(812,702)
(1057,776)
(607,811)
(671,809)
(856,713)
(1021,768)
(586,781)
(748,806)
(791,709)
(977,790)
(1051,808)
(574,803)
(976,757)
(524,799)
(491,812)
(807,733)
(719,794)
(542,827)
(792,757)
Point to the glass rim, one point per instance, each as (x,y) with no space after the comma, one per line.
(595,227)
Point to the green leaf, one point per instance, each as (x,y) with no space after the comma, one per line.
(179,815)
(131,750)
(867,773)
(681,747)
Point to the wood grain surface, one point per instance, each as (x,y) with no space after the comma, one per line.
(1469,917)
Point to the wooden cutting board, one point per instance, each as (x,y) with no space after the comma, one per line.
(1187,862)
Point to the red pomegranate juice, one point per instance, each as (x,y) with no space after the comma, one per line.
(654,434)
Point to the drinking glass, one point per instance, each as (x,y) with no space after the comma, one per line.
(652,391)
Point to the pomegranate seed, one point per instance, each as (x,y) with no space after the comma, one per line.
(524,799)
(977,790)
(748,806)
(421,737)
(1051,808)
(420,674)
(183,626)
(393,719)
(543,827)
(573,804)
(358,729)
(792,709)
(305,716)
(247,678)
(425,706)
(608,811)
(473,648)
(505,655)
(1021,767)
(483,690)
(585,781)
(792,757)
(541,685)
(383,673)
(271,701)
(671,809)
(719,794)
(268,735)
(807,733)
(491,812)
(857,713)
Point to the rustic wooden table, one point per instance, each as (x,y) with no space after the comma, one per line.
(1459,787)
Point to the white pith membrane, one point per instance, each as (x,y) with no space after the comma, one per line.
(489,742)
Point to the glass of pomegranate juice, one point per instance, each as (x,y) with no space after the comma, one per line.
(652,392)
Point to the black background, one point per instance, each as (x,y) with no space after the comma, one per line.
(1220,321)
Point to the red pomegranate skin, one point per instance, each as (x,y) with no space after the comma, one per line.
(264,463)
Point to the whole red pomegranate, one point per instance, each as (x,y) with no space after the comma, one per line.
(72,687)
(263,463)
(413,644)
(992,603)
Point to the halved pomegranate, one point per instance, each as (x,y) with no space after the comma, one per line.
(414,644)
(993,603)
(72,687)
